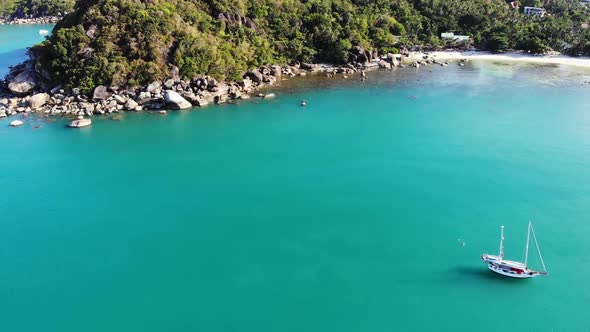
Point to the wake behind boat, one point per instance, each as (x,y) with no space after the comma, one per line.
(511,268)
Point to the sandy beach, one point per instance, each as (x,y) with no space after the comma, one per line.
(512,56)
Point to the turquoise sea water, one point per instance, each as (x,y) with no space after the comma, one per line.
(341,216)
(14,41)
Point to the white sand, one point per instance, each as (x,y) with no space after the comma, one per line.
(520,57)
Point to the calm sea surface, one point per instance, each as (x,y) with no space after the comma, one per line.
(14,41)
(346,215)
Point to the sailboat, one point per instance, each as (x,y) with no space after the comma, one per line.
(511,268)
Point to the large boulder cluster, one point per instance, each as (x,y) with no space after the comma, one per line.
(27,95)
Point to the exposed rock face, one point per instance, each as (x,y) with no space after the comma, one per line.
(169,84)
(120,99)
(24,82)
(360,55)
(154,87)
(177,94)
(254,75)
(101,93)
(238,19)
(246,84)
(131,105)
(384,64)
(91,31)
(195,100)
(175,101)
(276,70)
(38,100)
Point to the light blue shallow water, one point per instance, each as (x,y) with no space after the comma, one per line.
(341,216)
(14,41)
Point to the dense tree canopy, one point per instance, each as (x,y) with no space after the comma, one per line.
(131,42)
(35,8)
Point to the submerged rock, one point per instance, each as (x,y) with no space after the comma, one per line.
(79,123)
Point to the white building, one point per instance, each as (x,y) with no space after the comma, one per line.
(453,36)
(539,12)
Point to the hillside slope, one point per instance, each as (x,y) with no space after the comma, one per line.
(35,8)
(132,42)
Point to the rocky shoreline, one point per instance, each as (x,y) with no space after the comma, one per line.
(30,20)
(26,91)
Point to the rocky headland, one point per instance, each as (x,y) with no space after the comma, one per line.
(27,91)
(30,20)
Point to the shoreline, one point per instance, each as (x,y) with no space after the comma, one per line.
(25,94)
(174,93)
(503,57)
(34,20)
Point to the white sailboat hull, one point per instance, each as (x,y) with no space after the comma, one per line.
(514,269)
(510,269)
(512,274)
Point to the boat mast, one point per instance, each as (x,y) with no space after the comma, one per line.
(538,249)
(501,244)
(526,251)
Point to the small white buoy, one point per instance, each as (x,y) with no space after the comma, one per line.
(303,103)
(16,123)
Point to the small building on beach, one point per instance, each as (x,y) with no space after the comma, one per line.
(452,36)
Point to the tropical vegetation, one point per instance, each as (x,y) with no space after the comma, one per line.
(35,8)
(132,42)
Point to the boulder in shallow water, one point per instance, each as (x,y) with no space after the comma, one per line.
(131,105)
(276,70)
(79,123)
(38,100)
(175,101)
(384,64)
(16,123)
